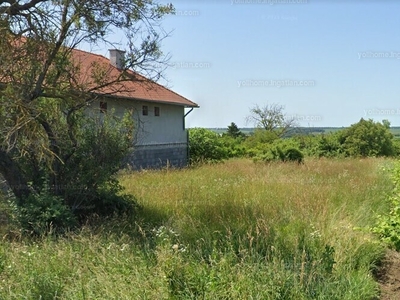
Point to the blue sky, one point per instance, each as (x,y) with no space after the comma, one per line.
(339,48)
(328,63)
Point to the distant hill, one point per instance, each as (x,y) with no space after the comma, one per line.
(304,130)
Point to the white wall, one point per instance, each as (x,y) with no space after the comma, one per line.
(164,129)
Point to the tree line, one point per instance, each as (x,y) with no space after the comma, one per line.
(269,141)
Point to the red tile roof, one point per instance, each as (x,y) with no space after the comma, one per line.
(95,69)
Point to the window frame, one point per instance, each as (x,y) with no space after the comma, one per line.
(145,110)
(156,111)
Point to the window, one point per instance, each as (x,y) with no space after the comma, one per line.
(103,107)
(156,111)
(145,110)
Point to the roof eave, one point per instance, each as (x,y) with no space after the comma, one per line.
(191,104)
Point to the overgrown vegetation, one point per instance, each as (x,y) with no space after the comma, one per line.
(85,182)
(388,225)
(205,146)
(365,138)
(236,230)
(59,164)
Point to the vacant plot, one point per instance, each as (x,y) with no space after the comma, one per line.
(236,230)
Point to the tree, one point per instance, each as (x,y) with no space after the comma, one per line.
(367,138)
(234,131)
(44,135)
(272,118)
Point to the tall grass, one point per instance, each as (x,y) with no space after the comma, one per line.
(236,230)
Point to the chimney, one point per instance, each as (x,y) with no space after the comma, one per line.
(117,58)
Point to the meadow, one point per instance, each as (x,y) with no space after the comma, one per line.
(233,230)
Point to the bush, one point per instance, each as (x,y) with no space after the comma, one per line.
(205,146)
(284,150)
(81,181)
(396,147)
(43,213)
(260,138)
(111,199)
(388,226)
(233,146)
(367,138)
(329,145)
(293,154)
(87,178)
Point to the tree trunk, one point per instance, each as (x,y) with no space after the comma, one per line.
(14,177)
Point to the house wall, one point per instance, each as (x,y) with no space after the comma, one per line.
(159,140)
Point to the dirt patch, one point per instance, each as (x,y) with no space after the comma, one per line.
(388,276)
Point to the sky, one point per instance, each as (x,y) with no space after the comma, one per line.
(328,63)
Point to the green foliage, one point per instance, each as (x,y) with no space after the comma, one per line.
(260,138)
(205,146)
(367,138)
(396,147)
(111,200)
(284,150)
(233,146)
(50,152)
(320,145)
(258,144)
(87,182)
(234,131)
(84,183)
(43,213)
(293,154)
(329,146)
(388,225)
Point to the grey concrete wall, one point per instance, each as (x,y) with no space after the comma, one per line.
(159,140)
(167,128)
(158,156)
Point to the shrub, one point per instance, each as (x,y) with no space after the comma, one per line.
(367,138)
(388,226)
(260,138)
(43,213)
(284,150)
(329,145)
(396,147)
(233,146)
(81,182)
(205,146)
(87,178)
(293,154)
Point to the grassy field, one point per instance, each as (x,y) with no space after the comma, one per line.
(236,230)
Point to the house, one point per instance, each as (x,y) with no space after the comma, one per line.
(161,136)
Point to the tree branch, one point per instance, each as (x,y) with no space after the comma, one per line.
(14,8)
